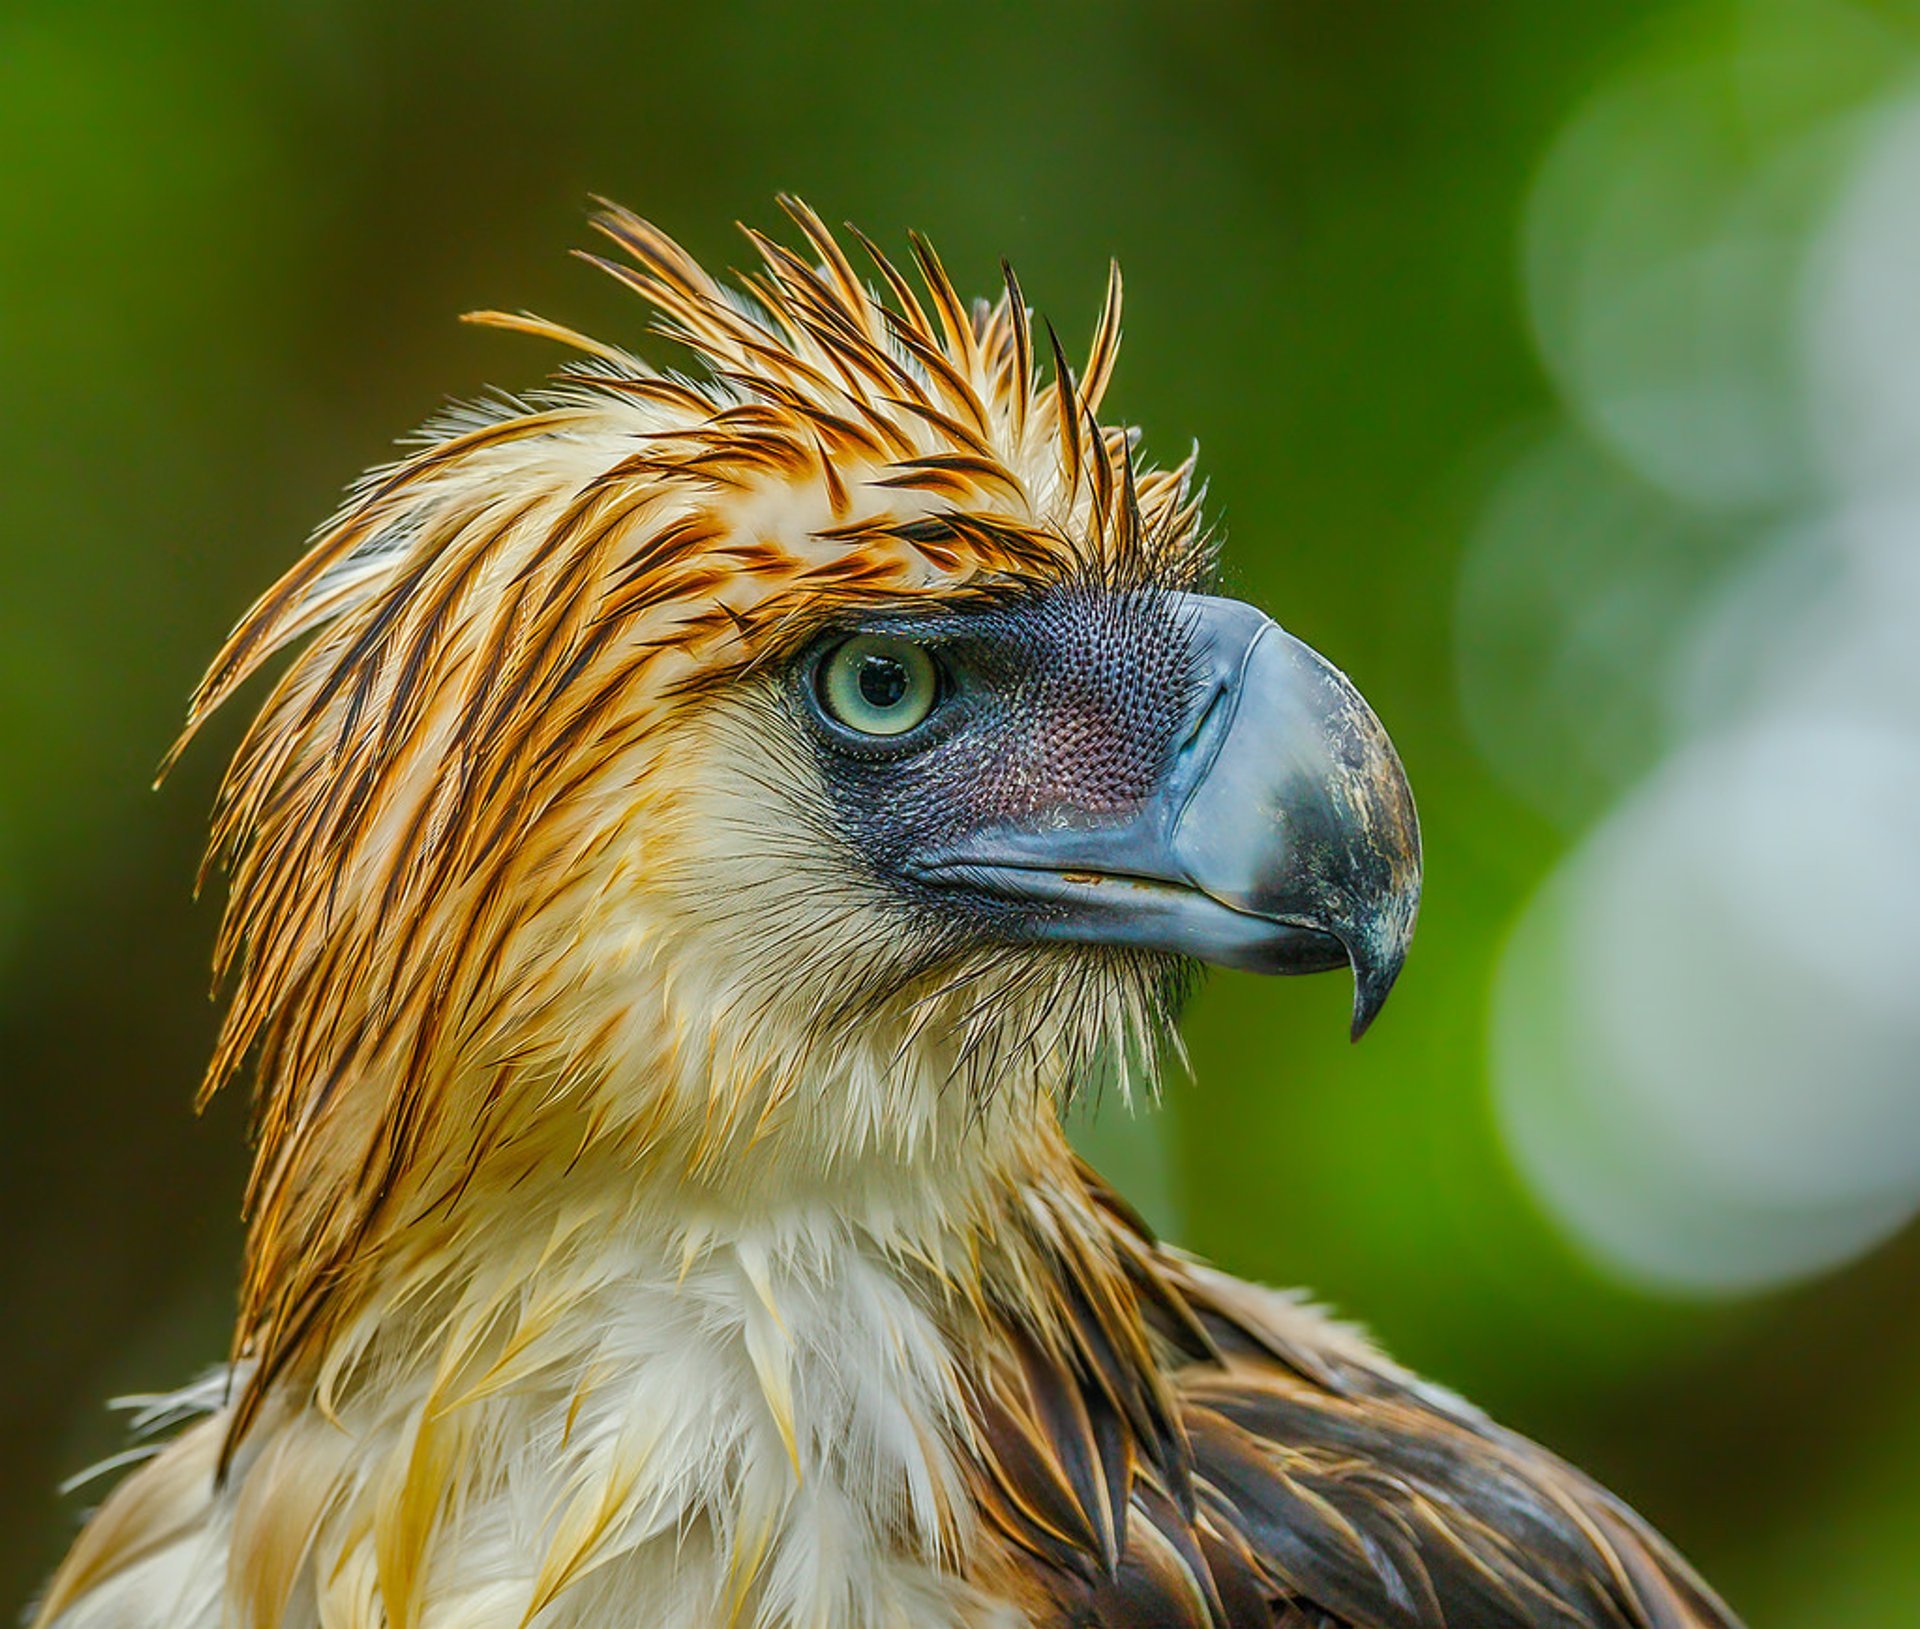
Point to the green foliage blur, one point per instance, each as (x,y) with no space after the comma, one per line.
(233,245)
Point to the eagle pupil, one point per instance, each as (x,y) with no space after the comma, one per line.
(884,682)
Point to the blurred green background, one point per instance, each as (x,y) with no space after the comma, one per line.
(1550,366)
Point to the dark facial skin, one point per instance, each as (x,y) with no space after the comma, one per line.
(1058,710)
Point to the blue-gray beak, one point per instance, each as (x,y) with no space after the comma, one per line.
(1281,838)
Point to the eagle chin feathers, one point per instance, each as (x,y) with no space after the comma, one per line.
(660,1212)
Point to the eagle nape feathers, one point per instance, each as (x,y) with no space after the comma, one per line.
(704,830)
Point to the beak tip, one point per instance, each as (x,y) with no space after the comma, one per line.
(1368,998)
(1377,958)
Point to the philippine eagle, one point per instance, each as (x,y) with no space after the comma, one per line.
(707,829)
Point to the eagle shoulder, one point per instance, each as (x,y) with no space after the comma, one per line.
(1268,1469)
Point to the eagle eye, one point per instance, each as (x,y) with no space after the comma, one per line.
(877,684)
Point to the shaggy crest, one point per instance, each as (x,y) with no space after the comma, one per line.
(520,603)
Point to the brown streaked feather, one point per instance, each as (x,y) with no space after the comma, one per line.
(1105,349)
(1327,1488)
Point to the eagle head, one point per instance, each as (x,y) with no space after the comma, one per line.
(705,829)
(731,779)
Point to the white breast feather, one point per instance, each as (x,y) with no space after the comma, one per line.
(779,1448)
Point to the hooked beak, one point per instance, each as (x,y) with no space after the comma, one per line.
(1281,838)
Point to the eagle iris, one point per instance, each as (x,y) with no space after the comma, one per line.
(877,684)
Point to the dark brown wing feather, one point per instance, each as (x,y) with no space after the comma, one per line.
(1250,1466)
